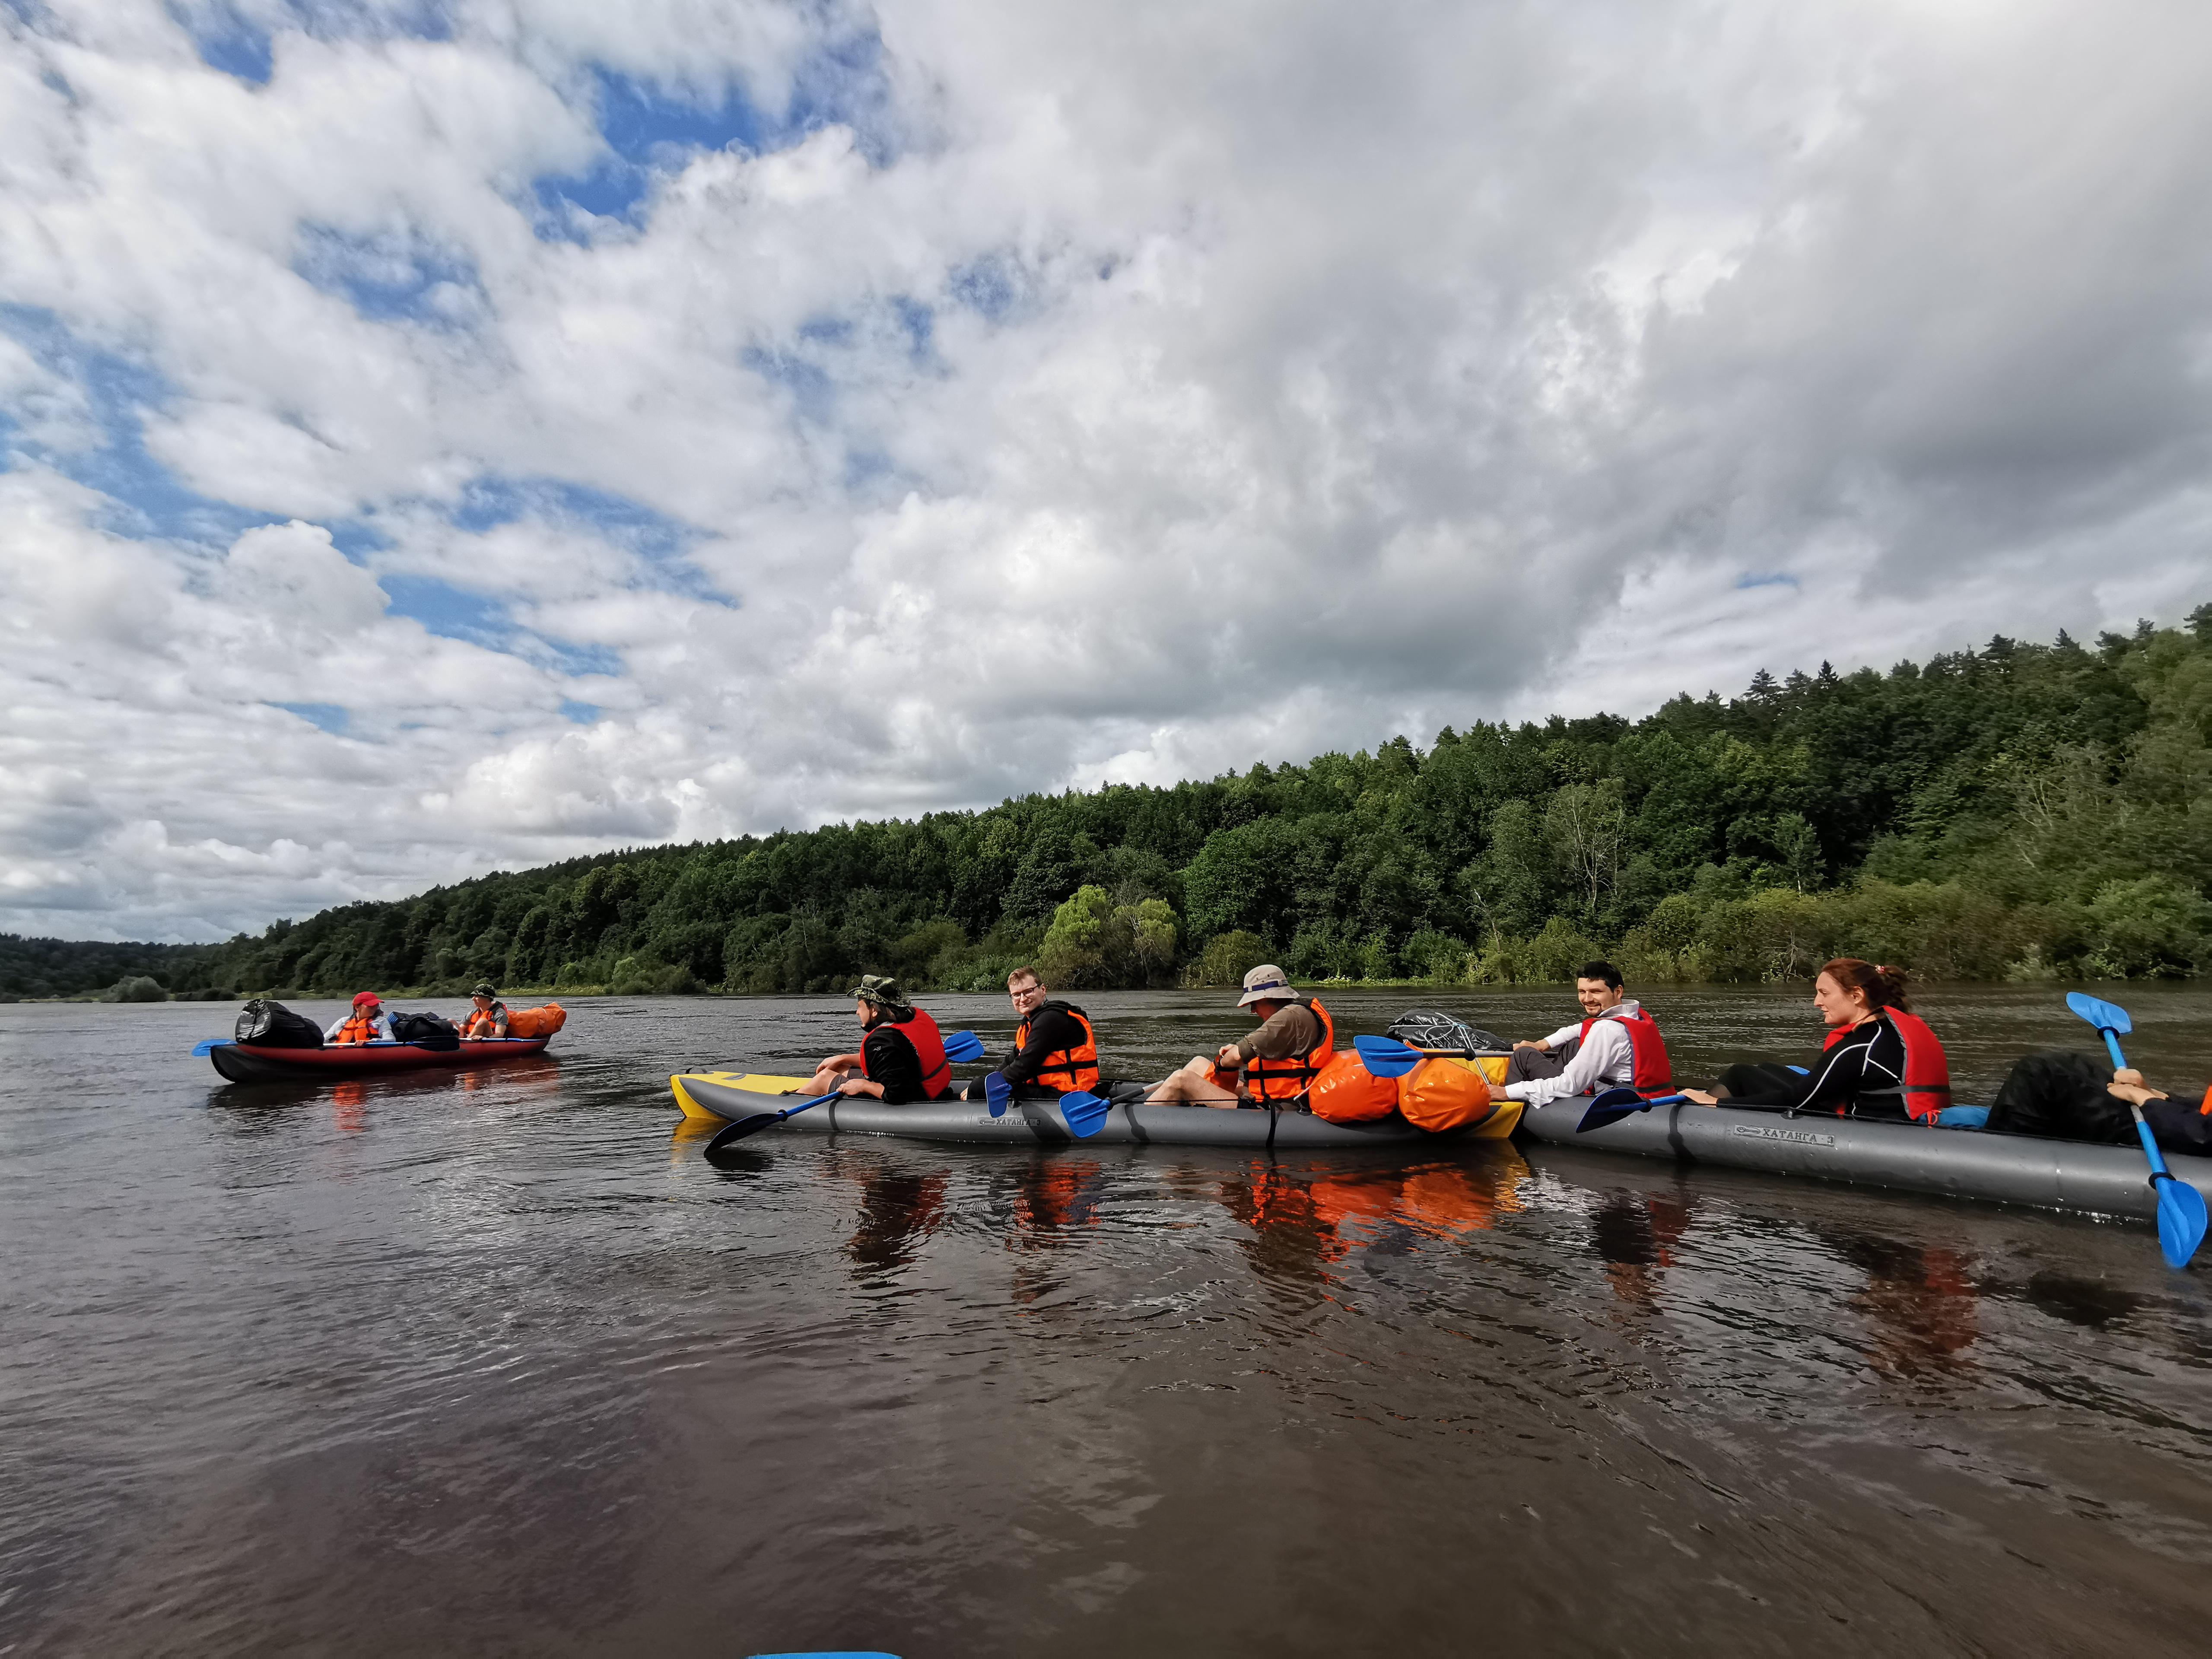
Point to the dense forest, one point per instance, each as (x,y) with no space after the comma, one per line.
(2023,810)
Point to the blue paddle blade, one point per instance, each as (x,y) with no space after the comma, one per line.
(997,1092)
(963,1046)
(2102,1014)
(1086,1113)
(2181,1221)
(1386,1056)
(202,1050)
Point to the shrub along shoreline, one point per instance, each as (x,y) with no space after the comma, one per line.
(2024,811)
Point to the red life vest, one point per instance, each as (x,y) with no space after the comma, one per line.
(1927,1069)
(920,1029)
(1287,1079)
(1653,1074)
(1066,1071)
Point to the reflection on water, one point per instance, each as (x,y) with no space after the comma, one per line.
(493,1361)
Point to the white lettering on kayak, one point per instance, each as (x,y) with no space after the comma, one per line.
(1796,1137)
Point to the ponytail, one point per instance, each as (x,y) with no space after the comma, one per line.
(1882,987)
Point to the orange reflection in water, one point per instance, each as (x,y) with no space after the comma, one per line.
(1635,1234)
(1311,1220)
(1921,1299)
(349,1107)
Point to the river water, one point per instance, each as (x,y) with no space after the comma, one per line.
(497,1363)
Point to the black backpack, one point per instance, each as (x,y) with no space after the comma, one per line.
(425,1031)
(270,1024)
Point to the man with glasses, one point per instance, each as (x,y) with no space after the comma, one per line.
(1056,1052)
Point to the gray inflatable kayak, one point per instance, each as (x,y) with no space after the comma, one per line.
(729,1095)
(2051,1174)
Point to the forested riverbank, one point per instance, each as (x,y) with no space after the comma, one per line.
(2024,810)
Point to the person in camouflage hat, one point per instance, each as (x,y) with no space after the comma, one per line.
(901,1058)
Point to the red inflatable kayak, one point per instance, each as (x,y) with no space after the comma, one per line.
(249,1062)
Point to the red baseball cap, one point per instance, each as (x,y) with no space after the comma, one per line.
(369,999)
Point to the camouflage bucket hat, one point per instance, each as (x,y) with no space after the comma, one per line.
(484,989)
(884,993)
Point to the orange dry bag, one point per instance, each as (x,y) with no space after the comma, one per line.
(536,1022)
(1444,1094)
(1347,1092)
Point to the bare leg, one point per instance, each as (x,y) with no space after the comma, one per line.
(826,1082)
(1193,1085)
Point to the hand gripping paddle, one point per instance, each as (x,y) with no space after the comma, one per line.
(2181,1216)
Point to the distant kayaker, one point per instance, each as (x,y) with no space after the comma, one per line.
(1274,1065)
(1055,1051)
(899,1062)
(366,1024)
(1614,1044)
(488,1018)
(1880,1060)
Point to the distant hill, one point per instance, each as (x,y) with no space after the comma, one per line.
(63,967)
(2025,810)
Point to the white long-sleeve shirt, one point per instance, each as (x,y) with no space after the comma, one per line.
(1606,1059)
(379,1031)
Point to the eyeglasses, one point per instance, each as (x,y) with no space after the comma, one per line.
(1026,990)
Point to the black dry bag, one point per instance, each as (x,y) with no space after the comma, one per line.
(270,1024)
(425,1031)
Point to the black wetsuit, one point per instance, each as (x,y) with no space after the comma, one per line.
(1863,1075)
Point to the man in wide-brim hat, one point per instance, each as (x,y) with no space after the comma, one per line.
(902,1058)
(1272,1065)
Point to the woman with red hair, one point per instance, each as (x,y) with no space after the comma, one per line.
(1880,1061)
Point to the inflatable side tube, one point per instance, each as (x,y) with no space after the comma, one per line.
(2051,1175)
(1040,1122)
(246,1062)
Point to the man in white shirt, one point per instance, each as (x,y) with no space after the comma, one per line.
(1568,1062)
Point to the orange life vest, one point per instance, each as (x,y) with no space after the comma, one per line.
(1065,1071)
(489,1018)
(1927,1087)
(920,1029)
(1653,1074)
(360,1027)
(1287,1079)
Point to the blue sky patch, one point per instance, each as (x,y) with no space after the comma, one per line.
(330,716)
(452,613)
(149,501)
(582,713)
(228,42)
(1766,578)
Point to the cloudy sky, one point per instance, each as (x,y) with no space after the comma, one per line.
(436,437)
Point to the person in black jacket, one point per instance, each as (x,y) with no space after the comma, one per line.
(1055,1050)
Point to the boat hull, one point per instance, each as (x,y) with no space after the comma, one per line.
(2051,1175)
(246,1062)
(730,1095)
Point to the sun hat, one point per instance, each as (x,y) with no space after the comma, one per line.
(1267,983)
(884,993)
(485,988)
(369,999)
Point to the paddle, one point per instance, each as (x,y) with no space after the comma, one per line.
(961,1047)
(202,1050)
(1615,1104)
(731,1133)
(1387,1057)
(1085,1113)
(2181,1216)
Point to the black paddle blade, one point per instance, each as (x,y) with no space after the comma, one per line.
(1610,1107)
(730,1135)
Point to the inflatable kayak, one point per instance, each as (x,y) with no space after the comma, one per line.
(2051,1175)
(716,1096)
(248,1062)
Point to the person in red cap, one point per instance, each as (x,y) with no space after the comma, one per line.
(364,1024)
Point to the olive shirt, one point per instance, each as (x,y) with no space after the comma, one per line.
(1292,1029)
